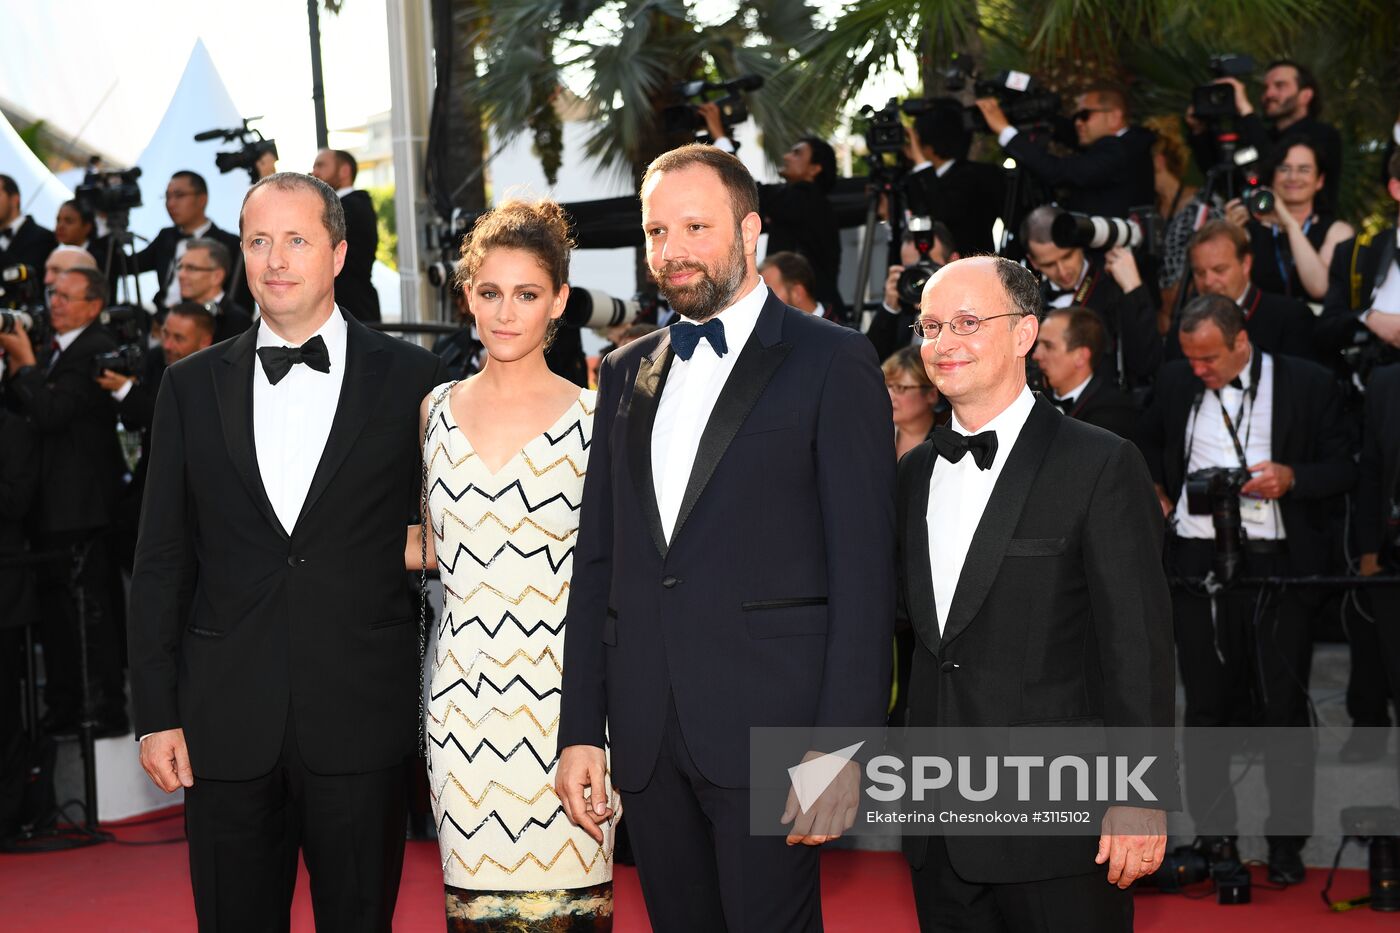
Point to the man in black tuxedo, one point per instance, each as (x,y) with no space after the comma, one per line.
(186,200)
(273,652)
(1220,261)
(1048,536)
(1111,287)
(1070,340)
(1112,172)
(1280,420)
(353,289)
(204,272)
(19,478)
(734,567)
(965,195)
(22,240)
(80,482)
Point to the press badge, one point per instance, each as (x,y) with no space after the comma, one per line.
(1254,513)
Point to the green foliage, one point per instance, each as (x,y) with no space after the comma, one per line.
(383,198)
(33,138)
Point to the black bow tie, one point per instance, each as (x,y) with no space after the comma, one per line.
(1236,384)
(1063,404)
(278,361)
(952,446)
(685,337)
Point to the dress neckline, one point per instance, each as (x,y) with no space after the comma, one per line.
(576,403)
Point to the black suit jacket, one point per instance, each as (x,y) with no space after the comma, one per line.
(1130,319)
(159,257)
(1275,324)
(1351,282)
(31,246)
(798,218)
(1380,459)
(1311,433)
(232,320)
(968,199)
(76,422)
(138,410)
(19,479)
(353,289)
(1105,405)
(1061,615)
(1111,176)
(889,332)
(232,619)
(773,602)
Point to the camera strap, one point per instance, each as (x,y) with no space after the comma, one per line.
(1283,255)
(1256,368)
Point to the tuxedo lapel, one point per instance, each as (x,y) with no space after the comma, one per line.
(641,416)
(233,388)
(923,610)
(758,361)
(366,367)
(1003,511)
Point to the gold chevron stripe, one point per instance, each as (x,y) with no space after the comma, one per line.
(452,707)
(493,785)
(580,473)
(508,529)
(513,600)
(482,655)
(531,857)
(440,446)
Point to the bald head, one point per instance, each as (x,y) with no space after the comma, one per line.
(64,258)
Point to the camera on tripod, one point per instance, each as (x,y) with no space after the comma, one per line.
(686,118)
(110,192)
(1023,99)
(252,147)
(1217,101)
(884,130)
(1215,491)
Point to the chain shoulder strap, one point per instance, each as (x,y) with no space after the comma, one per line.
(425,524)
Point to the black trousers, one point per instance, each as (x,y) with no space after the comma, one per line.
(1264,646)
(244,837)
(1368,690)
(1086,903)
(700,868)
(1384,606)
(58,632)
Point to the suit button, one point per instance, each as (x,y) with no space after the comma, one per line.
(669,582)
(295,561)
(948,667)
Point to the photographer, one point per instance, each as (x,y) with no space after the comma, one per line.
(186,200)
(797,216)
(1112,172)
(353,289)
(1111,287)
(1291,105)
(1276,424)
(202,271)
(966,196)
(1293,243)
(1220,265)
(1070,341)
(81,470)
(790,277)
(891,328)
(22,240)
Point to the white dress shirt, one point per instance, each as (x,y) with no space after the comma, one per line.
(172,290)
(957,496)
(291,420)
(692,387)
(1077,390)
(11,230)
(1210,445)
(1387,297)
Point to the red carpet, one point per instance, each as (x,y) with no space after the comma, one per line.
(145,889)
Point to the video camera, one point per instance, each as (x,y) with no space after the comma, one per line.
(884,130)
(1023,100)
(110,192)
(253,146)
(1217,101)
(1215,491)
(686,118)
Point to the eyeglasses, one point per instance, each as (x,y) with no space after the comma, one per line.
(964,325)
(899,388)
(1081,115)
(191,267)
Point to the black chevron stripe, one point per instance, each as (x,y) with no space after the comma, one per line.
(499,691)
(575,428)
(472,755)
(509,545)
(472,487)
(541,624)
(514,837)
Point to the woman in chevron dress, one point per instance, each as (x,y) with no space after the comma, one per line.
(505,454)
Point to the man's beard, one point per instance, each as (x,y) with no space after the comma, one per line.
(1284,108)
(708,293)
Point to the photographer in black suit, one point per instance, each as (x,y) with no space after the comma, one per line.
(186,200)
(892,326)
(1070,340)
(1112,171)
(81,470)
(353,289)
(1279,421)
(966,196)
(203,272)
(22,240)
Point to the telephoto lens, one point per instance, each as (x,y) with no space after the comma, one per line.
(1258,200)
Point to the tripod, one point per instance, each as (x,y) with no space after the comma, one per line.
(884,182)
(122,242)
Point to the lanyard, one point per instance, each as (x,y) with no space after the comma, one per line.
(1256,368)
(1285,266)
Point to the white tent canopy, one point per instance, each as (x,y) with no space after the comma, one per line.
(40,193)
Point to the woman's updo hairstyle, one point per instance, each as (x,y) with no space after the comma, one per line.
(541,228)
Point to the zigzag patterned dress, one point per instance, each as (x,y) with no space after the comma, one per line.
(505,544)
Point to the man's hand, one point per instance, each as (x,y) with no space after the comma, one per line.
(1123,267)
(1370,565)
(831,814)
(991,111)
(892,287)
(1133,842)
(1166,504)
(1236,213)
(18,350)
(709,110)
(1271,481)
(1242,104)
(1384,325)
(913,149)
(113,381)
(584,768)
(166,760)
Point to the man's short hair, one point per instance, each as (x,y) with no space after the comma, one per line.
(794,268)
(195,179)
(941,128)
(1216,229)
(1110,94)
(7,184)
(1221,311)
(1021,287)
(1083,328)
(824,156)
(218,253)
(198,313)
(332,213)
(1307,81)
(1036,227)
(94,282)
(743,191)
(346,160)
